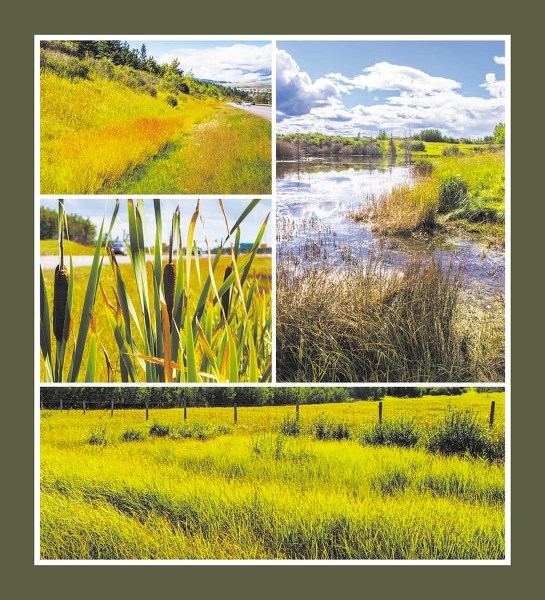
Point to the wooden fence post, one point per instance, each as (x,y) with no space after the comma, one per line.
(380,411)
(147,409)
(492,411)
(235,412)
(112,407)
(83,405)
(297,410)
(185,409)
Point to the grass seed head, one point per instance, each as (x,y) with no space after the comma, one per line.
(60,299)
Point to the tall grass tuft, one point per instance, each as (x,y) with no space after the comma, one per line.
(400,432)
(372,324)
(459,432)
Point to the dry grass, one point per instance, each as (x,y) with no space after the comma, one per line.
(374,325)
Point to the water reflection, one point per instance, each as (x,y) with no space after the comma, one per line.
(314,202)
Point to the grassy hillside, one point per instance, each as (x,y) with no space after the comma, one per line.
(99,125)
(114,488)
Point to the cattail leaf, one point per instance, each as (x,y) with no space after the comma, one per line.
(190,350)
(233,356)
(253,369)
(244,214)
(189,248)
(92,353)
(88,304)
(166,343)
(45,331)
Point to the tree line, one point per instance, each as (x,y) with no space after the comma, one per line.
(165,397)
(81,230)
(117,54)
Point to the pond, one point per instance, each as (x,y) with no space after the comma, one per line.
(314,203)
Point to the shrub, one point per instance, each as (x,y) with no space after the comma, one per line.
(452,151)
(171,101)
(159,430)
(132,435)
(452,194)
(459,432)
(290,426)
(402,432)
(422,168)
(326,429)
(98,437)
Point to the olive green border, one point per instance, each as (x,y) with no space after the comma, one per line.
(21,578)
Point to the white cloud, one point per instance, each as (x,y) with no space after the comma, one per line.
(296,94)
(499,60)
(236,63)
(494,87)
(385,76)
(422,101)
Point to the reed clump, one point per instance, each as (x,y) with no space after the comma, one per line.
(372,324)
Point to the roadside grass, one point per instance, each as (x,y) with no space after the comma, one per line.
(98,136)
(261,273)
(251,493)
(51,248)
(230,153)
(371,324)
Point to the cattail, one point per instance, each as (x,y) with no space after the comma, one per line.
(226,296)
(60,299)
(169,285)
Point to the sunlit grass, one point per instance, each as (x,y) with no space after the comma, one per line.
(97,135)
(262,274)
(232,152)
(253,493)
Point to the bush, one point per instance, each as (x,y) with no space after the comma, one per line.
(160,430)
(452,194)
(459,432)
(171,101)
(132,435)
(422,168)
(326,429)
(452,151)
(402,432)
(290,426)
(98,437)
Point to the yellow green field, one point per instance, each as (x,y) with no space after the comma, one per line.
(214,490)
(99,136)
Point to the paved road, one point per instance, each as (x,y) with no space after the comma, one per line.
(50,262)
(264,112)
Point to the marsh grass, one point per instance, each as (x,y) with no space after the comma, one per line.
(372,324)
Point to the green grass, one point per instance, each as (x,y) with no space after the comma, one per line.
(253,493)
(51,248)
(97,135)
(262,273)
(232,152)
(478,207)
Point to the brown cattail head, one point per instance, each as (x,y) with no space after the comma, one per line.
(169,285)
(226,296)
(60,299)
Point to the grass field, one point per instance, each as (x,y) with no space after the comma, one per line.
(214,490)
(97,135)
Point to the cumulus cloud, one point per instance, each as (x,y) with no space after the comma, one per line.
(236,63)
(494,87)
(296,93)
(386,76)
(418,101)
(499,60)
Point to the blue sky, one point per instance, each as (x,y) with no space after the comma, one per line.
(214,224)
(230,61)
(346,87)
